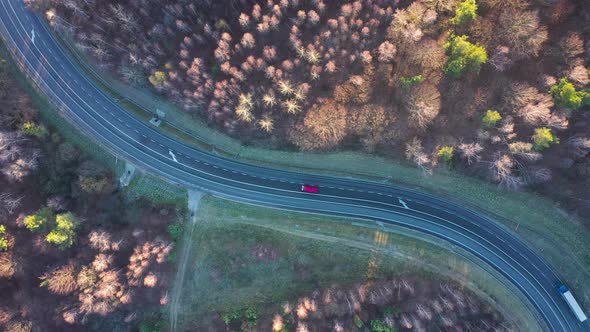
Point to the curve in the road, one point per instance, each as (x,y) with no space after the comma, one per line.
(94,112)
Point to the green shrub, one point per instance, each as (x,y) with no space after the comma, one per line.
(544,138)
(463,56)
(176,231)
(152,326)
(251,314)
(446,153)
(388,311)
(407,82)
(391,311)
(32,129)
(172,256)
(490,118)
(248,316)
(231,317)
(465,12)
(358,322)
(39,220)
(379,326)
(3,238)
(215,69)
(564,94)
(64,233)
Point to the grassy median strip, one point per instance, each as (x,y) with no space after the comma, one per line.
(226,276)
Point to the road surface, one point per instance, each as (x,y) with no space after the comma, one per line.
(97,115)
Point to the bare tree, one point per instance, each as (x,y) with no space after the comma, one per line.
(132,74)
(501,58)
(9,143)
(16,161)
(244,20)
(426,57)
(405,27)
(369,123)
(61,280)
(266,124)
(323,127)
(524,151)
(150,280)
(86,278)
(76,9)
(470,152)
(423,312)
(579,146)
(537,175)
(8,265)
(579,74)
(386,52)
(558,120)
(406,321)
(537,112)
(501,168)
(415,153)
(572,45)
(10,202)
(423,105)
(522,32)
(248,40)
(37,4)
(520,94)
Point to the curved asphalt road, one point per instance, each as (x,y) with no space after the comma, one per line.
(95,113)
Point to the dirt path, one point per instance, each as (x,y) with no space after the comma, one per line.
(194,198)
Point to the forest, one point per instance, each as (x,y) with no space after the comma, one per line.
(495,89)
(73,250)
(384,306)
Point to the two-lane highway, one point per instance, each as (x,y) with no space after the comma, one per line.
(95,113)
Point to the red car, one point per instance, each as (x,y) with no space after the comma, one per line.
(309,189)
